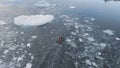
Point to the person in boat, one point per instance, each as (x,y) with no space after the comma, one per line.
(60,40)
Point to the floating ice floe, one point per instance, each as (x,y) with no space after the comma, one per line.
(103,45)
(94,64)
(88,62)
(44,3)
(117,39)
(86,21)
(6,51)
(108,31)
(2,23)
(34,37)
(92,19)
(91,39)
(33,20)
(28,65)
(28,44)
(72,7)
(80,39)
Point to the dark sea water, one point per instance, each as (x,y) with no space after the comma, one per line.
(90,30)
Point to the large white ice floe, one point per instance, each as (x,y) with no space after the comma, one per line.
(33,20)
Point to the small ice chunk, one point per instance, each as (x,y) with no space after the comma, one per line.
(12,47)
(92,19)
(2,23)
(86,21)
(22,33)
(34,37)
(20,58)
(91,39)
(32,57)
(2,43)
(72,7)
(99,57)
(43,3)
(88,62)
(73,44)
(68,40)
(94,64)
(86,34)
(99,53)
(29,45)
(103,45)
(117,39)
(53,5)
(73,33)
(6,51)
(7,28)
(76,64)
(64,16)
(28,65)
(108,31)
(80,39)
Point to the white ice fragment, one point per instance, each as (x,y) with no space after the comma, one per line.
(2,43)
(64,16)
(1,61)
(28,65)
(53,5)
(108,31)
(73,33)
(29,45)
(94,64)
(117,39)
(86,34)
(76,64)
(72,7)
(88,62)
(86,21)
(21,32)
(76,26)
(2,23)
(92,19)
(73,44)
(33,20)
(12,47)
(7,28)
(19,59)
(103,45)
(99,53)
(43,3)
(32,57)
(80,39)
(68,40)
(34,37)
(52,32)
(6,51)
(91,39)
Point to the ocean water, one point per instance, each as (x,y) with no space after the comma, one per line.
(89,28)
